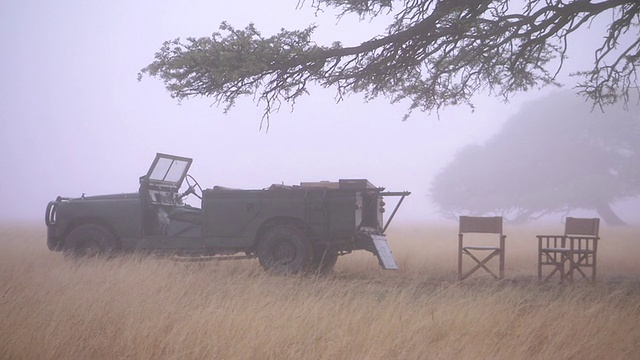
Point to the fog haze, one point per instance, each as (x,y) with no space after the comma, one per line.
(75,119)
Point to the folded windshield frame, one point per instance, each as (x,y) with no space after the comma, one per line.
(169,169)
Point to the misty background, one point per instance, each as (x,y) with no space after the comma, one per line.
(75,119)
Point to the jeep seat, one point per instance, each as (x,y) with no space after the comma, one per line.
(187,214)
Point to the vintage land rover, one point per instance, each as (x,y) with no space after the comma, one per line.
(288,228)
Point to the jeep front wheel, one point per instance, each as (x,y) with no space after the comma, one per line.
(89,240)
(285,249)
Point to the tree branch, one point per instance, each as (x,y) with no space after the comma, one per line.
(435,54)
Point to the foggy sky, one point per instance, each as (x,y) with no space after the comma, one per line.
(75,119)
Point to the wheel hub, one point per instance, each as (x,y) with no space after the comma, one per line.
(89,248)
(284,253)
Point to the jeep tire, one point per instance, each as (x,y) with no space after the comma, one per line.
(323,261)
(285,250)
(89,240)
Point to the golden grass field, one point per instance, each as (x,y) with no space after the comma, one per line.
(152,308)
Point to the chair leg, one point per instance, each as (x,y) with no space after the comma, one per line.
(501,264)
(459,257)
(502,254)
(572,267)
(593,272)
(539,259)
(563,260)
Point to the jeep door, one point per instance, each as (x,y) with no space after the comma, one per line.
(227,216)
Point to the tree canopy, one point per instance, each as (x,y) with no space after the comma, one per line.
(434,53)
(554,155)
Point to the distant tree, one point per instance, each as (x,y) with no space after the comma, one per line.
(435,53)
(554,155)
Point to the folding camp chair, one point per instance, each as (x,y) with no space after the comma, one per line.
(575,250)
(486,225)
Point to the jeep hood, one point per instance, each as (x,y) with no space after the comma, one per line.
(108,197)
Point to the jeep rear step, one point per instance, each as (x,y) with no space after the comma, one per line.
(377,244)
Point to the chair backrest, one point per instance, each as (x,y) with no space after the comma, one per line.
(475,224)
(582,226)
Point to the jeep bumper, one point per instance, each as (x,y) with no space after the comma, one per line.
(54,242)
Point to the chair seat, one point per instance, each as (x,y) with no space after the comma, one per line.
(481,248)
(575,251)
(556,250)
(583,251)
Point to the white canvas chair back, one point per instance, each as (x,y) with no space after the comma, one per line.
(580,226)
(485,225)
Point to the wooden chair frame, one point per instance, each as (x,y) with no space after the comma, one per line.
(577,248)
(486,225)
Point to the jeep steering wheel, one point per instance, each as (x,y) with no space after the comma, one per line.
(192,188)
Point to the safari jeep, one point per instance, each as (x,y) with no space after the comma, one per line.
(288,228)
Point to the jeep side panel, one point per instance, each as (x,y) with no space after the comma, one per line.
(233,217)
(227,213)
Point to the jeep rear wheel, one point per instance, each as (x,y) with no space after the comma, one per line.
(285,249)
(89,240)
(323,261)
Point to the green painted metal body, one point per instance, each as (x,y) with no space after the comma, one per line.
(230,221)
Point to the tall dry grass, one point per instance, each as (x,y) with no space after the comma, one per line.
(150,308)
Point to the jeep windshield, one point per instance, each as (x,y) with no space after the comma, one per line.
(169,169)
